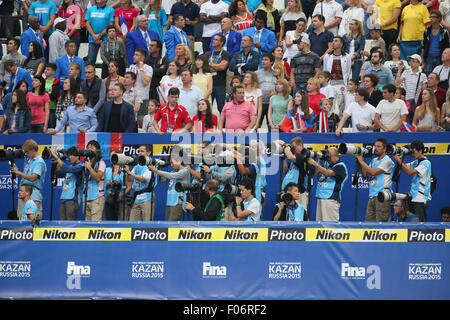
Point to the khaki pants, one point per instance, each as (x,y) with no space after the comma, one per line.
(140,211)
(303,200)
(191,40)
(173,213)
(377,211)
(94,209)
(21,203)
(327,210)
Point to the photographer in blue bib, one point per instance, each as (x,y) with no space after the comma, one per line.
(33,174)
(379,173)
(420,170)
(114,191)
(287,208)
(248,207)
(331,179)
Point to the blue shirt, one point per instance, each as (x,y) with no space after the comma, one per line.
(43,10)
(157,24)
(84,119)
(191,11)
(190,98)
(384,74)
(435,50)
(99,18)
(35,166)
(28,208)
(319,42)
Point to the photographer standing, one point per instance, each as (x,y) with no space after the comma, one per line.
(95,170)
(72,185)
(332,177)
(214,209)
(113,190)
(420,169)
(290,211)
(33,174)
(141,177)
(379,174)
(248,207)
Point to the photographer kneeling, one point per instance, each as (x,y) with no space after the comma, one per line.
(288,209)
(215,207)
(402,213)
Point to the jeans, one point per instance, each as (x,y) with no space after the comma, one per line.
(356,69)
(264,109)
(37,128)
(431,63)
(92,53)
(206,41)
(77,42)
(218,94)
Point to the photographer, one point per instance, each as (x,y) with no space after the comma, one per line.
(214,209)
(113,190)
(141,176)
(420,169)
(175,200)
(72,185)
(33,174)
(290,211)
(29,209)
(331,179)
(248,207)
(402,213)
(95,170)
(379,174)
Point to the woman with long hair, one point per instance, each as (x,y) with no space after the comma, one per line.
(113,78)
(73,14)
(353,12)
(394,62)
(35,63)
(39,102)
(240,16)
(279,103)
(293,35)
(370,83)
(18,116)
(278,54)
(300,118)
(288,20)
(171,80)
(126,12)
(279,71)
(314,95)
(202,77)
(427,115)
(354,44)
(67,97)
(157,17)
(253,94)
(445,112)
(204,120)
(273,16)
(183,55)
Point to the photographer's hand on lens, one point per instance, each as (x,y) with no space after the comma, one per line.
(189,206)
(397,159)
(238,200)
(206,168)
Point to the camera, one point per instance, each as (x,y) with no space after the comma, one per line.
(400,151)
(10,155)
(147,161)
(114,192)
(348,148)
(87,154)
(388,195)
(278,149)
(191,187)
(62,154)
(232,190)
(308,153)
(121,160)
(283,197)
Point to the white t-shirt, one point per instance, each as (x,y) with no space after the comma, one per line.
(423,173)
(147,125)
(141,90)
(330,10)
(168,83)
(255,208)
(391,112)
(212,9)
(328,91)
(362,115)
(252,97)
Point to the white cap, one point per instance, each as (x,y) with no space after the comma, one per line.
(305,39)
(58,20)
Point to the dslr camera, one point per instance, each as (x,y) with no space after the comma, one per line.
(114,192)
(10,155)
(388,196)
(351,149)
(88,154)
(122,160)
(392,149)
(308,153)
(62,154)
(278,149)
(191,187)
(283,197)
(147,161)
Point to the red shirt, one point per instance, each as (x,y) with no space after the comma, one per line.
(70,16)
(314,102)
(164,113)
(201,124)
(129,15)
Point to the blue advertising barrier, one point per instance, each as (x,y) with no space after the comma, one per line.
(437,150)
(192,260)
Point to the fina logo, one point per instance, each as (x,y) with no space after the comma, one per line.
(372,274)
(210,271)
(74,275)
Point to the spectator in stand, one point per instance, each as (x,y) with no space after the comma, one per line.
(400,94)
(241,18)
(278,53)
(443,70)
(112,79)
(326,120)
(412,80)
(63,62)
(432,83)
(332,12)
(57,40)
(67,98)
(45,11)
(190,94)
(140,38)
(394,63)
(279,104)
(159,65)
(300,118)
(238,115)
(35,62)
(147,124)
(361,112)
(320,38)
(414,20)
(17,74)
(427,115)
(253,93)
(72,13)
(175,36)
(18,115)
(125,18)
(389,12)
(263,39)
(113,50)
(130,95)
(52,87)
(245,60)
(273,16)
(32,34)
(191,13)
(370,83)
(354,44)
(390,112)
(384,74)
(235,81)
(314,95)
(95,89)
(74,71)
(368,63)
(171,80)
(267,82)
(157,17)
(444,8)
(279,72)
(211,13)
(353,12)
(202,76)
(39,103)
(293,35)
(184,57)
(97,19)
(377,40)
(445,113)
(12,47)
(204,120)
(233,38)
(174,117)
(435,40)
(289,18)
(304,65)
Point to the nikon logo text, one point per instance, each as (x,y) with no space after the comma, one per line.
(210,271)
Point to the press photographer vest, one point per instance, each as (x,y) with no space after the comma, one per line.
(70,189)
(38,184)
(93,191)
(260,182)
(173,196)
(327,185)
(419,187)
(296,213)
(221,170)
(110,177)
(138,185)
(377,183)
(296,175)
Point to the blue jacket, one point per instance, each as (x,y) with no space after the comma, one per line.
(62,68)
(171,39)
(267,39)
(23,120)
(359,44)
(233,42)
(251,62)
(21,74)
(127,119)
(134,40)
(25,39)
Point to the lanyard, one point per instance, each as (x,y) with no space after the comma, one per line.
(114,49)
(219,56)
(245,58)
(169,127)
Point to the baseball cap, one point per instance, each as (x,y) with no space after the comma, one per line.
(415,57)
(58,20)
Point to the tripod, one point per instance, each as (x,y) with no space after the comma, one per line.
(356,184)
(54,182)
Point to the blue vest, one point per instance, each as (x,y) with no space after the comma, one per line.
(110,177)
(249,217)
(37,165)
(138,185)
(260,182)
(376,183)
(296,213)
(221,170)
(416,184)
(28,206)
(326,185)
(72,185)
(93,191)
(292,176)
(172,195)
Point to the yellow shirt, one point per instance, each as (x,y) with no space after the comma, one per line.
(414,18)
(386,11)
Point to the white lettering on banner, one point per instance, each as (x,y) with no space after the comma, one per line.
(372,272)
(210,271)
(15,269)
(41,10)
(285,270)
(146,270)
(424,271)
(97,14)
(74,275)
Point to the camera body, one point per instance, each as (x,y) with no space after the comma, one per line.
(191,187)
(351,149)
(62,154)
(88,154)
(122,160)
(148,161)
(308,153)
(114,192)
(283,197)
(10,155)
(392,149)
(278,149)
(388,196)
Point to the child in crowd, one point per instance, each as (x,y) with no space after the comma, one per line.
(147,124)
(74,71)
(326,121)
(325,88)
(52,87)
(235,81)
(400,93)
(349,97)
(300,118)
